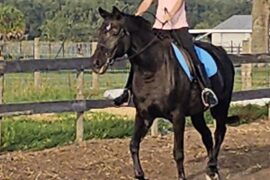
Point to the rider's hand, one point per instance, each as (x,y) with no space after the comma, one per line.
(166,17)
(138,14)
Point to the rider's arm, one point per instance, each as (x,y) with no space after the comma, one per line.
(143,7)
(178,4)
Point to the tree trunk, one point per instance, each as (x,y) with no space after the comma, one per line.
(260,27)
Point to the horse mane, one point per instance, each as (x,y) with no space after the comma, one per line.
(137,23)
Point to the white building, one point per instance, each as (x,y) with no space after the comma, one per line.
(229,34)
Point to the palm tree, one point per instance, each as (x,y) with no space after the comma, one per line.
(12,23)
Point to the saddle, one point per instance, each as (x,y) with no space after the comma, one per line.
(206,59)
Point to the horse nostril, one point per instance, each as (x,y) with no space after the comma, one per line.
(96,63)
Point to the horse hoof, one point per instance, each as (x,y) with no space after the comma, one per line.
(141,178)
(215,176)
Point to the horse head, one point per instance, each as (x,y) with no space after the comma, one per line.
(113,40)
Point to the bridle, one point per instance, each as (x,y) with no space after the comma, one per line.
(123,33)
(111,60)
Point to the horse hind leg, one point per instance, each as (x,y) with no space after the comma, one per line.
(140,130)
(199,124)
(220,114)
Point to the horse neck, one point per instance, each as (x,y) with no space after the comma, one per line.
(151,57)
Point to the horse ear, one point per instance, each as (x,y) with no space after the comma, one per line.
(116,13)
(103,13)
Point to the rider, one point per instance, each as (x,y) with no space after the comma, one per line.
(171,21)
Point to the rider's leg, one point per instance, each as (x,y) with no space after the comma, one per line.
(126,95)
(183,37)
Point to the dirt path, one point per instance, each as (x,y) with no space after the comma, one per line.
(245,155)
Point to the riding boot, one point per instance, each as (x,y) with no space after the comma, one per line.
(209,98)
(125,97)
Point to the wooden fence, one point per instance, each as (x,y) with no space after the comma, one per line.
(80,105)
(47,49)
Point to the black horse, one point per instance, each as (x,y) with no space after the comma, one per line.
(160,86)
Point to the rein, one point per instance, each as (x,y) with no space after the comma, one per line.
(111,61)
(139,52)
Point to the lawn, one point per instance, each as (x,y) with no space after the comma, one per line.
(62,85)
(56,86)
(27,133)
(36,133)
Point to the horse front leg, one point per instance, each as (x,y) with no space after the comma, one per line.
(140,130)
(178,151)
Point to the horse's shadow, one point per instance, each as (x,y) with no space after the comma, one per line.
(245,160)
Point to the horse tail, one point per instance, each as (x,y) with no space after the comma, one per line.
(233,121)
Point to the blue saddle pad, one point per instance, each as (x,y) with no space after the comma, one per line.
(206,59)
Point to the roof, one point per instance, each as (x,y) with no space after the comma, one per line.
(236,22)
(203,31)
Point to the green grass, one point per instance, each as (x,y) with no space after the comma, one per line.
(247,114)
(56,86)
(24,133)
(62,85)
(260,78)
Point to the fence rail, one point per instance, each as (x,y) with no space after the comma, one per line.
(80,105)
(84,105)
(33,65)
(249,58)
(52,107)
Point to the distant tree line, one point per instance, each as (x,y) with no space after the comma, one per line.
(78,20)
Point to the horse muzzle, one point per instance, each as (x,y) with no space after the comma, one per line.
(101,69)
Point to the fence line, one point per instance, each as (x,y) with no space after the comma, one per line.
(81,105)
(47,49)
(68,49)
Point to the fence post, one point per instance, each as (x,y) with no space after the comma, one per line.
(95,83)
(154,128)
(246,69)
(268,110)
(37,77)
(1,97)
(79,123)
(79,96)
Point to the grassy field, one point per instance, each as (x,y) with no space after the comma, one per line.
(62,85)
(46,131)
(35,133)
(56,86)
(28,132)
(260,78)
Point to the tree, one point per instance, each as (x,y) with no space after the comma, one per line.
(79,19)
(260,29)
(12,23)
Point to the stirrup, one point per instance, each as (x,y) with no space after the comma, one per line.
(206,104)
(129,97)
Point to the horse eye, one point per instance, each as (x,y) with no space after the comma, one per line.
(108,28)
